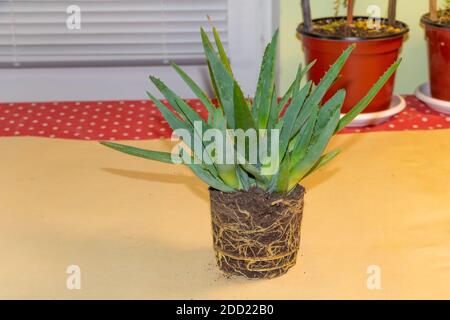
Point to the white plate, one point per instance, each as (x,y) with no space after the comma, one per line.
(423,93)
(398,104)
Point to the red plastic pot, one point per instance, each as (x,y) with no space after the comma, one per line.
(370,59)
(438,37)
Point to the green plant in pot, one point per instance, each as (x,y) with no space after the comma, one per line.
(379,42)
(256,200)
(437,29)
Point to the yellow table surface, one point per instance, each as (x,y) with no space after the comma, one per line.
(141,229)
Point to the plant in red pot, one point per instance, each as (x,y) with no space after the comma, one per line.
(437,27)
(378,43)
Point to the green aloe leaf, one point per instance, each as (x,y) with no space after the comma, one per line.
(303,139)
(209,179)
(223,80)
(197,91)
(349,117)
(244,178)
(176,123)
(183,109)
(316,122)
(301,73)
(319,92)
(319,141)
(281,179)
(138,152)
(254,171)
(274,114)
(228,173)
(242,113)
(172,118)
(290,117)
(190,116)
(290,92)
(329,107)
(265,86)
(323,161)
(221,50)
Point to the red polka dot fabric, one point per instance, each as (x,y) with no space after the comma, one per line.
(141,120)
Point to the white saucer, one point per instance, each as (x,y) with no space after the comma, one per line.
(423,93)
(398,104)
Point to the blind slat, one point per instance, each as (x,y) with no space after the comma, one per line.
(35,32)
(109,28)
(39,6)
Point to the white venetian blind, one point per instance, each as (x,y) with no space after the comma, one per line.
(112,32)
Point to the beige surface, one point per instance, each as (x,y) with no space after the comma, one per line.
(140,229)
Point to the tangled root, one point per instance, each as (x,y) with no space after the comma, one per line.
(256,234)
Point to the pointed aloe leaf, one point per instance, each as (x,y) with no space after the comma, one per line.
(202,171)
(224,81)
(319,92)
(319,141)
(242,113)
(290,116)
(324,160)
(328,108)
(214,85)
(172,119)
(349,117)
(221,50)
(265,86)
(316,122)
(244,178)
(325,84)
(284,100)
(219,121)
(183,109)
(190,116)
(175,123)
(211,75)
(303,138)
(281,184)
(209,179)
(138,152)
(273,116)
(295,86)
(228,173)
(197,91)
(255,172)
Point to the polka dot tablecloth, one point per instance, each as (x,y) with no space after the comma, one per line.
(141,120)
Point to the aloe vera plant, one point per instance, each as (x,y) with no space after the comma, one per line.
(305,125)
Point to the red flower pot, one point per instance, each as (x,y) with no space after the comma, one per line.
(438,37)
(370,59)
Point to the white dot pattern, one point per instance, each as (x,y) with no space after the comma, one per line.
(141,120)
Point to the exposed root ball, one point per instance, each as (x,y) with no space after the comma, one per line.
(256,234)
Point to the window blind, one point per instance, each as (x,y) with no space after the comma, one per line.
(112,32)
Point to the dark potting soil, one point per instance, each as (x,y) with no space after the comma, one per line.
(443,18)
(339,28)
(256,233)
